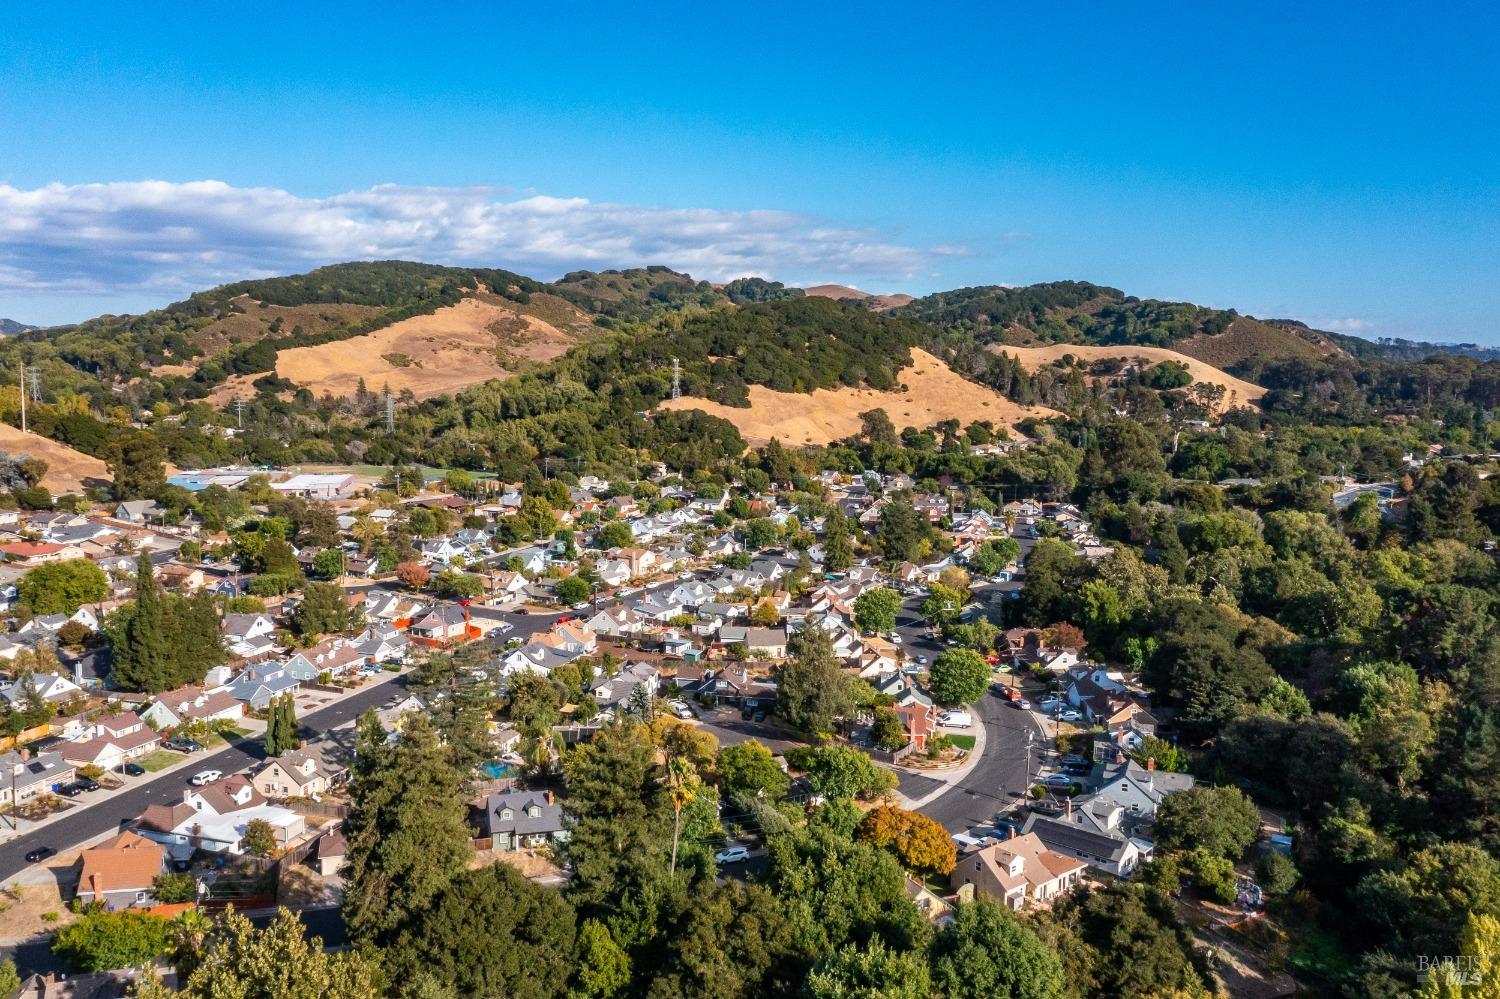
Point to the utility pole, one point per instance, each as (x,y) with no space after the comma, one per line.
(239,413)
(676,379)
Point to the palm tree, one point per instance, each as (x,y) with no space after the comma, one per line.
(682,786)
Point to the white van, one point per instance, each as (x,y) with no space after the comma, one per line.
(956,719)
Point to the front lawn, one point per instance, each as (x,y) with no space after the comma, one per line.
(962,741)
(159,760)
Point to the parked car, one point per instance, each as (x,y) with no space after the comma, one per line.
(130,769)
(1059,780)
(895,638)
(183,745)
(1048,703)
(1070,715)
(203,777)
(732,855)
(760,715)
(70,790)
(956,719)
(680,709)
(1023,704)
(921,660)
(87,783)
(40,854)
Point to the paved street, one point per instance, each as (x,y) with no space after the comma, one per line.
(116,808)
(996,781)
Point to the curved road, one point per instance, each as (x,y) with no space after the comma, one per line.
(996,781)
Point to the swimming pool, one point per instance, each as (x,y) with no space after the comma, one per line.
(497,770)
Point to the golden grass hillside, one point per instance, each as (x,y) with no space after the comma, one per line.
(930,393)
(68,471)
(879,303)
(1237,391)
(1246,338)
(474,341)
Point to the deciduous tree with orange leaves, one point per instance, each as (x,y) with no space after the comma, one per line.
(918,841)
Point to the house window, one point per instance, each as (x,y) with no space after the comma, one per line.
(534,811)
(507,814)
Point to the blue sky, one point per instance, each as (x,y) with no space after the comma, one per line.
(1335,167)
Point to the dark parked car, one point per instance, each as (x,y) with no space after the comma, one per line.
(71,790)
(131,769)
(87,783)
(39,854)
(760,715)
(183,745)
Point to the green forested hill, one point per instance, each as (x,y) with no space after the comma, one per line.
(1084,313)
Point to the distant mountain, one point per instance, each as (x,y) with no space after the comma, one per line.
(844,293)
(9,327)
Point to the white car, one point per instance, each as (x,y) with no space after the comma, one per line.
(732,855)
(1070,716)
(895,638)
(1048,703)
(203,777)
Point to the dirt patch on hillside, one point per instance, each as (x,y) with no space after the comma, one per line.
(68,471)
(1237,391)
(930,393)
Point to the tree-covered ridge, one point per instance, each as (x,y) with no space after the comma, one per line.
(639,293)
(385,284)
(1068,312)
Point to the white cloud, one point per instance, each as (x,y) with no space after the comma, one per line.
(1335,324)
(169,238)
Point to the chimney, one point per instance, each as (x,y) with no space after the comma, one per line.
(549,797)
(1068,806)
(1150,763)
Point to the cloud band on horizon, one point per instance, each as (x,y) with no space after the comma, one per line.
(173,238)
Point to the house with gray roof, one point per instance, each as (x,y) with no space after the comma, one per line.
(518,819)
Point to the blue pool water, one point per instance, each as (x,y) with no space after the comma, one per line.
(495,771)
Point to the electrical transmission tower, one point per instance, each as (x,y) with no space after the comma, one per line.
(23,397)
(676,379)
(390,411)
(36,384)
(239,413)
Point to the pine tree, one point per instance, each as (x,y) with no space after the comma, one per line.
(142,656)
(838,550)
(199,645)
(407,831)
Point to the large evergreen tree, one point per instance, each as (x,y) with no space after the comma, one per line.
(141,655)
(811,690)
(407,831)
